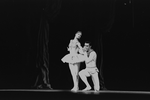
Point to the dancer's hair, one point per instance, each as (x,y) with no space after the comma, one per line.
(79,32)
(88,43)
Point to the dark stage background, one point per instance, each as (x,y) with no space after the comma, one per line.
(118,29)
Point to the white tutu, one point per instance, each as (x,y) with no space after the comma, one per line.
(69,58)
(80,58)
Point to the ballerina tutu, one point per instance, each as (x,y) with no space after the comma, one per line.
(80,58)
(69,58)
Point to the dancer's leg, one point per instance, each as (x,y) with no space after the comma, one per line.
(76,74)
(84,74)
(74,68)
(96,81)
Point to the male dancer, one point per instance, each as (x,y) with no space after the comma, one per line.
(91,69)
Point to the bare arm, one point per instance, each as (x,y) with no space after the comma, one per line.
(80,48)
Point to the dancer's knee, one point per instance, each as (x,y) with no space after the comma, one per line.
(95,75)
(84,73)
(81,73)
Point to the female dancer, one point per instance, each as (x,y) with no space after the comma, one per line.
(74,58)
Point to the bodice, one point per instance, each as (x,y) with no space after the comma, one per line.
(73,47)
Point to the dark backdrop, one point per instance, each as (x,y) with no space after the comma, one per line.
(121,27)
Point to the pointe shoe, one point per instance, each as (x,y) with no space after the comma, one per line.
(74,89)
(87,89)
(96,90)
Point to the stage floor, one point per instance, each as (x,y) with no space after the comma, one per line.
(79,91)
(42,94)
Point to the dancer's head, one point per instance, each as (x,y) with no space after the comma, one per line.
(87,46)
(78,35)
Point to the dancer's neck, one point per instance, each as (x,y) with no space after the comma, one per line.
(75,39)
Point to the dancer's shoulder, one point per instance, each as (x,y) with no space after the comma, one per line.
(92,52)
(71,40)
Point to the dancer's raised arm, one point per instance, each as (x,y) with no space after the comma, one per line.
(81,51)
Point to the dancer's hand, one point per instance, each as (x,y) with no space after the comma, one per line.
(85,53)
(68,49)
(81,51)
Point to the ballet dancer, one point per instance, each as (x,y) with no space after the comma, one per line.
(91,69)
(74,58)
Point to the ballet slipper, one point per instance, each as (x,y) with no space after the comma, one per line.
(74,89)
(96,90)
(87,88)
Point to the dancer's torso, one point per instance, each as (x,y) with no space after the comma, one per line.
(92,63)
(74,48)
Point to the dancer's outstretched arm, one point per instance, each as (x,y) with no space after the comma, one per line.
(80,48)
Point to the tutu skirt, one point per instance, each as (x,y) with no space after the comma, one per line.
(69,58)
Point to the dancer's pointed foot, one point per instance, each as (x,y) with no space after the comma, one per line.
(87,88)
(96,90)
(49,86)
(44,86)
(75,89)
